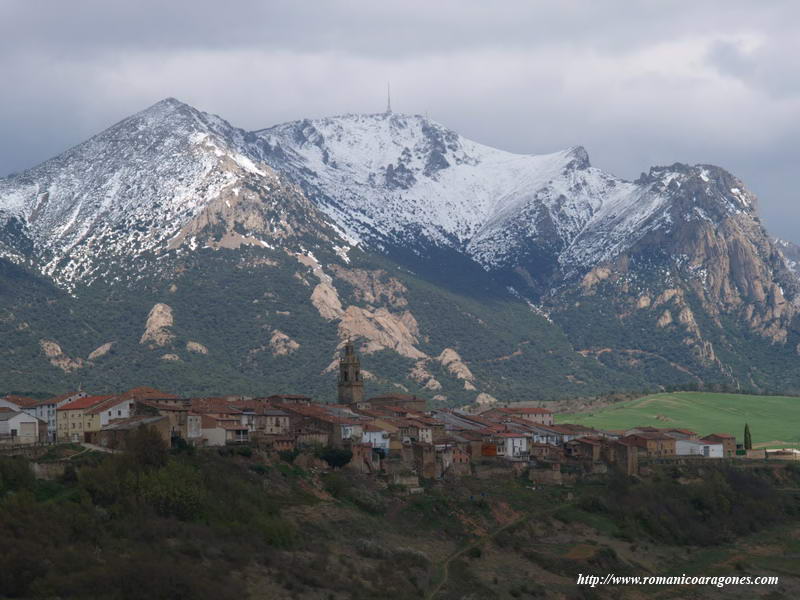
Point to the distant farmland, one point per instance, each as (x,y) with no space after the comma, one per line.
(772,419)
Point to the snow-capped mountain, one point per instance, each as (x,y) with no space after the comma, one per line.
(680,250)
(383,180)
(129,190)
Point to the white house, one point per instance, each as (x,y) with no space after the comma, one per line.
(379,438)
(218,432)
(17,427)
(698,448)
(44,410)
(194,426)
(515,445)
(113,409)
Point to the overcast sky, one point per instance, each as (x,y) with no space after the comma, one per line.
(638,83)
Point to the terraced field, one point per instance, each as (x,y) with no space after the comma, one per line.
(774,420)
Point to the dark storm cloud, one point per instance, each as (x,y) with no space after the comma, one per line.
(637,83)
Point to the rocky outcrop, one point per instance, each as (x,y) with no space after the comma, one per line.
(157,331)
(421,374)
(373,287)
(379,327)
(382,330)
(196,347)
(325,299)
(101,351)
(451,360)
(57,358)
(281,344)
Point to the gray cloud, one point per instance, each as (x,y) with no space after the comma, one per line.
(637,83)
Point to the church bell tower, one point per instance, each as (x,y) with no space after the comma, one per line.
(351,386)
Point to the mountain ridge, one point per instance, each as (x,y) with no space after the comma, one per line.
(352,217)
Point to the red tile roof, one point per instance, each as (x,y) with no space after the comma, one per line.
(524,410)
(57,399)
(400,397)
(213,405)
(22,401)
(143,392)
(86,402)
(107,404)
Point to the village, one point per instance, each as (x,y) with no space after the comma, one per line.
(392,435)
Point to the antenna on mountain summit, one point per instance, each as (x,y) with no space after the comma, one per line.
(388,98)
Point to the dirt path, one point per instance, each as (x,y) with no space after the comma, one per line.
(483,539)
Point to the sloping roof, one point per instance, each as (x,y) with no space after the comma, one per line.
(107,404)
(82,403)
(296,397)
(132,422)
(7,415)
(214,405)
(144,392)
(524,410)
(57,399)
(374,428)
(592,441)
(395,397)
(723,436)
(162,406)
(22,401)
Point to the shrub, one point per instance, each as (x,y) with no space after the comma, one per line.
(335,457)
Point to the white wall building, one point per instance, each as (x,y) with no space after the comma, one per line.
(376,436)
(515,445)
(698,448)
(115,408)
(44,410)
(17,427)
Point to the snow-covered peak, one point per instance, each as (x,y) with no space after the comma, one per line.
(387,180)
(389,177)
(126,189)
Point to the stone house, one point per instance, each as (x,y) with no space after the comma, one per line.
(652,445)
(115,434)
(584,448)
(276,421)
(412,430)
(424,459)
(622,454)
(406,401)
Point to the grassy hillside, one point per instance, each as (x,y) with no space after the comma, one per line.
(771,418)
(236,523)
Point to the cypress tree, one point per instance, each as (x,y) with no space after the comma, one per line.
(748,441)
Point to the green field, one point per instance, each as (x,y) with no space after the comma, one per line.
(772,419)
